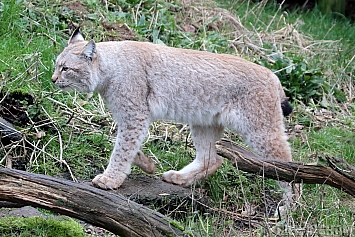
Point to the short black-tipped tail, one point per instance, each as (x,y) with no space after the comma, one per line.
(286,107)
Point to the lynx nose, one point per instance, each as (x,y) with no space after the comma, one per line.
(54,78)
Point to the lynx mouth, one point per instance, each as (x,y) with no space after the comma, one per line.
(65,87)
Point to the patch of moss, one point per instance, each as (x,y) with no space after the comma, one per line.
(37,226)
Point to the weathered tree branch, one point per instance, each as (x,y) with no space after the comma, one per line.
(334,172)
(127,218)
(101,208)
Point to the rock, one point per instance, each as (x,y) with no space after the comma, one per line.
(26,211)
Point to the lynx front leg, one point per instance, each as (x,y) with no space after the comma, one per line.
(206,162)
(125,153)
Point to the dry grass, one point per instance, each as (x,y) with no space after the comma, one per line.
(249,41)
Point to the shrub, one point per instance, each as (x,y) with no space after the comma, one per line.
(300,82)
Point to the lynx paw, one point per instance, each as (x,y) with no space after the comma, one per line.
(176,177)
(193,172)
(104,182)
(145,163)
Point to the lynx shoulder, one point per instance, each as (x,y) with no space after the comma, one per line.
(142,82)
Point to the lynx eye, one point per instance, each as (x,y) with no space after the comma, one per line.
(64,69)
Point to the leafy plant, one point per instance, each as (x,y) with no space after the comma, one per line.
(302,82)
(299,81)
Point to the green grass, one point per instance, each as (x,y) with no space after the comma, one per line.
(332,141)
(79,130)
(27,53)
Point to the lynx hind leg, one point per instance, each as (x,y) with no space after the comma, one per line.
(206,162)
(144,162)
(269,139)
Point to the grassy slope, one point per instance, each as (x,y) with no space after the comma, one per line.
(33,34)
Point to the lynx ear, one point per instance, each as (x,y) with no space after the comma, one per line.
(76,36)
(89,50)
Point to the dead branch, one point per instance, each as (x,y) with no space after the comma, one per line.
(331,171)
(101,208)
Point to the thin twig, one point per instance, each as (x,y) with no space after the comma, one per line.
(61,160)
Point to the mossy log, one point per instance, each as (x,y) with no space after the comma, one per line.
(332,171)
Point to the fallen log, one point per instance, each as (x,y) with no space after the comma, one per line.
(331,171)
(127,218)
(101,208)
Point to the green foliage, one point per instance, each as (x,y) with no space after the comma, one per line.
(172,154)
(234,184)
(298,80)
(23,56)
(86,163)
(9,14)
(156,21)
(330,212)
(38,226)
(301,82)
(332,141)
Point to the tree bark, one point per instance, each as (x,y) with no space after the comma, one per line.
(101,208)
(331,171)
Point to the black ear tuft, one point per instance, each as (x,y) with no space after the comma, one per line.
(76,36)
(286,107)
(89,50)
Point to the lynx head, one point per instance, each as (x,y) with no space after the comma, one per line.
(75,65)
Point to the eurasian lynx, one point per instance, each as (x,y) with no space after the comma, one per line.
(142,82)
